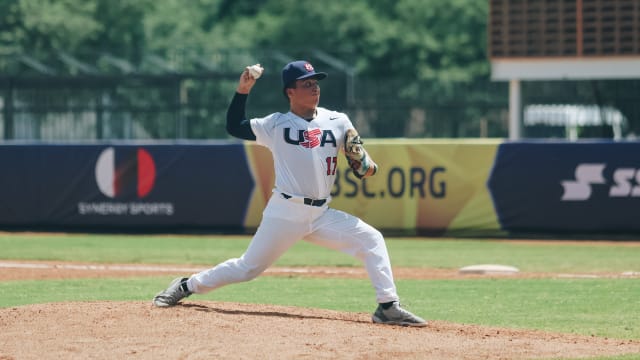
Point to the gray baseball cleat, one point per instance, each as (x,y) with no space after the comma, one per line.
(395,315)
(176,291)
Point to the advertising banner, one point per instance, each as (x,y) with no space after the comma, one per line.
(430,187)
(124,185)
(567,187)
(423,186)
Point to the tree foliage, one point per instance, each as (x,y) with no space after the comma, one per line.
(418,50)
(424,40)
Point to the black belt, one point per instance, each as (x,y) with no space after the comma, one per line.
(307,201)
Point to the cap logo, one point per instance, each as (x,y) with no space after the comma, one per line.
(308,67)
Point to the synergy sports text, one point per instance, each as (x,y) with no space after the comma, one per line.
(124,208)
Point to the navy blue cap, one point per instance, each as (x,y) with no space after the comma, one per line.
(298,70)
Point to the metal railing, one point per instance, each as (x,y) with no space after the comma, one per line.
(185,95)
(90,108)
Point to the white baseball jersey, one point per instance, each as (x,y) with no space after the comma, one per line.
(305,153)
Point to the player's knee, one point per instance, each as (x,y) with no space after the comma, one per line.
(371,245)
(249,271)
(253,273)
(376,236)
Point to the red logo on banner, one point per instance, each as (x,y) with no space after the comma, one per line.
(138,170)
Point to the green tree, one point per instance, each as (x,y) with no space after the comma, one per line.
(121,27)
(171,26)
(77,27)
(405,53)
(10,26)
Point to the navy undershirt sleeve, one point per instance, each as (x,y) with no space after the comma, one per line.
(237,124)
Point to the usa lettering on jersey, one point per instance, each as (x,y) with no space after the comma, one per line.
(311,138)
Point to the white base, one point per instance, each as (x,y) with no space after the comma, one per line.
(488,269)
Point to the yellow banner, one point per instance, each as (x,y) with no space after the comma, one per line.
(421,185)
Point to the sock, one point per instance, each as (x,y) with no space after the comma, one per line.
(386,305)
(184,286)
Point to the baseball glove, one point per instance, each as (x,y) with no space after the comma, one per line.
(357,157)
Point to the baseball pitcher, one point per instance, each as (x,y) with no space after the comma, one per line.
(305,143)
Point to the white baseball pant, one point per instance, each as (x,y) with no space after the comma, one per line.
(285,222)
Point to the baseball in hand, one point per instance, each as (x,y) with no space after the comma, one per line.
(255,70)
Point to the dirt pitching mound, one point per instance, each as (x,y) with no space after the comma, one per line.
(216,330)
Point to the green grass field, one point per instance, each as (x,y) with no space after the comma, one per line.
(603,307)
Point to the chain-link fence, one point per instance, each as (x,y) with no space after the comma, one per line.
(194,107)
(185,96)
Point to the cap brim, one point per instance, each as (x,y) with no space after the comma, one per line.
(318,75)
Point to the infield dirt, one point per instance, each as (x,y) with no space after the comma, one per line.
(216,330)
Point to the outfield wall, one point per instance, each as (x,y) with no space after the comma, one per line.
(447,187)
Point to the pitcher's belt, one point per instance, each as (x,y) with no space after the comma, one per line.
(306,201)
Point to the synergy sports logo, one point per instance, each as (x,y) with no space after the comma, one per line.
(580,189)
(125,174)
(626,182)
(112,178)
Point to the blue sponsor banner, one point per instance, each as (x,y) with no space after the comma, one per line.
(124,185)
(567,187)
